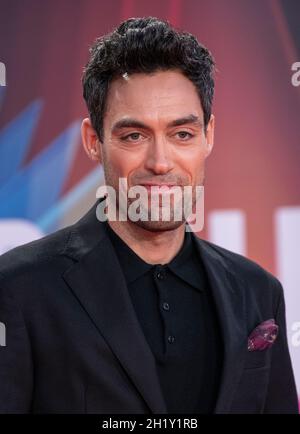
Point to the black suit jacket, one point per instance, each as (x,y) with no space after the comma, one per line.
(74,343)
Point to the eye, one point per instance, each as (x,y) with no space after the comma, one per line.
(134,137)
(184,135)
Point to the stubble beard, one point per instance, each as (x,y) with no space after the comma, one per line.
(149,224)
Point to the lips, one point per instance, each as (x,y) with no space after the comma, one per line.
(158,185)
(159,188)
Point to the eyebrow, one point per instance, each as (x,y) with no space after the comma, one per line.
(134,123)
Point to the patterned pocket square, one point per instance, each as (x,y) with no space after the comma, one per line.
(263,336)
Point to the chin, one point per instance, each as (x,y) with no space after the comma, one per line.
(159,226)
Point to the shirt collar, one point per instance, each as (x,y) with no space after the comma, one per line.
(185,265)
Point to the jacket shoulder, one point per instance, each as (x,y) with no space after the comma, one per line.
(31,256)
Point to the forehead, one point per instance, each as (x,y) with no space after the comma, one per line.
(162,95)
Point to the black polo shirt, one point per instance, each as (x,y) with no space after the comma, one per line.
(174,305)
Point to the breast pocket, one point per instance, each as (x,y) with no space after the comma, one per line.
(258,359)
(251,392)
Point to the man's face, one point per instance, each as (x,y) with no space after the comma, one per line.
(154,134)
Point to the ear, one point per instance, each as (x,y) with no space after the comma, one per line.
(210,129)
(90,141)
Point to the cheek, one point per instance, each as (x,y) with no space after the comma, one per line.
(192,163)
(121,162)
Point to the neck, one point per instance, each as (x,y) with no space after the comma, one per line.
(153,247)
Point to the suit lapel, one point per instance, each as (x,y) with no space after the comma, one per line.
(98,283)
(228,293)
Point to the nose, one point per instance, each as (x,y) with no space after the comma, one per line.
(159,158)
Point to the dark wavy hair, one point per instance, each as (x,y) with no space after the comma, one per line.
(145,45)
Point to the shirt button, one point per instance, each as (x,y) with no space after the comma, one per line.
(160,275)
(166,306)
(171,339)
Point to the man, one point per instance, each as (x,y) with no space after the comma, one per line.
(140,315)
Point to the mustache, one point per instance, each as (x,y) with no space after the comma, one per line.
(175,180)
